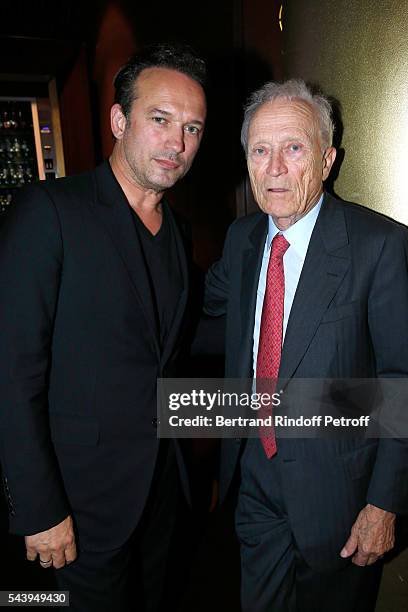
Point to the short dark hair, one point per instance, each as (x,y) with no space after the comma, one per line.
(173,56)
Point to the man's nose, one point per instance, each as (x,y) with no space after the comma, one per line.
(276,165)
(175,139)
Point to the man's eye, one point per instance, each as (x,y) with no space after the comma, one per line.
(160,120)
(192,129)
(295,148)
(259,151)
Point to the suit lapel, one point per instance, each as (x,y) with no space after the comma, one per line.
(327,260)
(251,266)
(181,306)
(113,210)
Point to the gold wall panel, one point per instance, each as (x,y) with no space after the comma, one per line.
(357,51)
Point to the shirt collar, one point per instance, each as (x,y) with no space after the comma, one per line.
(298,235)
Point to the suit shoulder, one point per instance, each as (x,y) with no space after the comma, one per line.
(369,221)
(244,225)
(43,201)
(57,191)
(69,187)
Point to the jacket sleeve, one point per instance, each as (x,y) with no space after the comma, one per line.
(388,321)
(31,258)
(217,282)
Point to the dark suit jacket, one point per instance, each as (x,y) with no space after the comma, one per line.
(79,359)
(349,319)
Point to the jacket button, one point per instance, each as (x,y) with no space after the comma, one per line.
(154,422)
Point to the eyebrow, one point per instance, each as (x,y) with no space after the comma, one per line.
(169,114)
(159,110)
(284,140)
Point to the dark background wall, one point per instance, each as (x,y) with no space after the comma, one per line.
(83,44)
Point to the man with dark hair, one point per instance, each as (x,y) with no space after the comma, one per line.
(175,57)
(312,287)
(93,287)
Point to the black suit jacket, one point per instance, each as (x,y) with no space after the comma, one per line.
(349,319)
(79,359)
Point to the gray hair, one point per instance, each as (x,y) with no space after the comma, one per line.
(289,90)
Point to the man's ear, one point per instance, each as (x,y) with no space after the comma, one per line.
(118,121)
(328,160)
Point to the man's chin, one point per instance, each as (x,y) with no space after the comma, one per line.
(167,180)
(276,209)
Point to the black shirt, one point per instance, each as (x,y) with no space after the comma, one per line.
(163,268)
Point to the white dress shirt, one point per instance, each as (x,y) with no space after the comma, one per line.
(298,235)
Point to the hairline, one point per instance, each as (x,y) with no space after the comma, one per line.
(291,90)
(311,106)
(169,69)
(170,56)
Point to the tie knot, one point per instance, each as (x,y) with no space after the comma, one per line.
(279,246)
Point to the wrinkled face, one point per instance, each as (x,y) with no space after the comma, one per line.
(158,141)
(286,163)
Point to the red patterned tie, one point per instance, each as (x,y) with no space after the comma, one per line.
(270,336)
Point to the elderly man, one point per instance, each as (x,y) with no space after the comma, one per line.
(312,287)
(93,291)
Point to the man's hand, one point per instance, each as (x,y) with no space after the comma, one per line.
(55,547)
(371,536)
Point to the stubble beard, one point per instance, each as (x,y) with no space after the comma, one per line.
(157,181)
